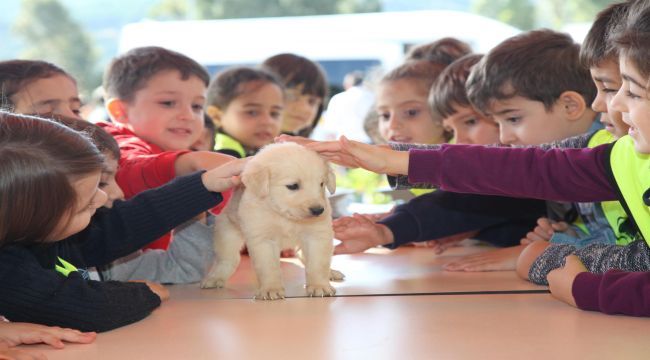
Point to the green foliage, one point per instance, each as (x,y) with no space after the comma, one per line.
(518,13)
(531,14)
(232,9)
(366,185)
(51,34)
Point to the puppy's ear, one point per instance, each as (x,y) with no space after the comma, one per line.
(331,180)
(256,179)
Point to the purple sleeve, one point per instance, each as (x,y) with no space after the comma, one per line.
(577,175)
(614,292)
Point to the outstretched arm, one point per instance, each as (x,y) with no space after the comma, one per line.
(555,174)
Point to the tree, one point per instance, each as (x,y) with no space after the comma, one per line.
(518,13)
(50,34)
(223,9)
(530,14)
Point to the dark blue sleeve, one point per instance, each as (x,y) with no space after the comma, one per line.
(31,293)
(131,224)
(441,213)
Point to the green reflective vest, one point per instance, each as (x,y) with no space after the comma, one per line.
(64,267)
(631,172)
(613,210)
(223,141)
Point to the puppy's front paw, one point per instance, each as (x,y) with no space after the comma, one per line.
(336,275)
(212,282)
(270,293)
(320,290)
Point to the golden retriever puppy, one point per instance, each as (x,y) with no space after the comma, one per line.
(282,205)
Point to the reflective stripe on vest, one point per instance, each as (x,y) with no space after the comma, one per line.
(65,268)
(631,172)
(613,210)
(223,141)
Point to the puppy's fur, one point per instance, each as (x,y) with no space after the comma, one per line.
(283,205)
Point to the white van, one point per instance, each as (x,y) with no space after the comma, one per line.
(340,43)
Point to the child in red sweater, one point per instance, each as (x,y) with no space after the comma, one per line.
(155,98)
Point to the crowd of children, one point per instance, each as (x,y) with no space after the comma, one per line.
(511,145)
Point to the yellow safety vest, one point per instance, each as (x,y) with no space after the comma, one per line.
(64,267)
(631,172)
(613,210)
(223,141)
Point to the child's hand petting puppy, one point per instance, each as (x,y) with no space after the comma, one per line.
(380,159)
(225,176)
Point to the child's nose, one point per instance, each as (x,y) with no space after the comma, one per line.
(617,104)
(507,137)
(100,198)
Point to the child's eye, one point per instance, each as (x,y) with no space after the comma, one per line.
(102,185)
(313,101)
(470,122)
(412,112)
(383,116)
(631,95)
(513,120)
(197,107)
(252,112)
(167,103)
(276,115)
(293,187)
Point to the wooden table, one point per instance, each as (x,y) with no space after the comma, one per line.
(393,305)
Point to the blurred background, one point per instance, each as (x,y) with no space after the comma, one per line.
(83,35)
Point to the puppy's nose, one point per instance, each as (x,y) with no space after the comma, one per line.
(316,210)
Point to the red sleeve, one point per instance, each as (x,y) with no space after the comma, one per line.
(139,172)
(614,292)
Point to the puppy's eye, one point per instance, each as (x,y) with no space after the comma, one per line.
(293,186)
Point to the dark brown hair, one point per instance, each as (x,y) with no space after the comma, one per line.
(295,70)
(445,51)
(131,71)
(230,84)
(597,47)
(40,159)
(633,40)
(16,74)
(538,65)
(449,89)
(104,141)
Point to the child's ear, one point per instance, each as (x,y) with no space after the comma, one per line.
(117,110)
(573,105)
(215,114)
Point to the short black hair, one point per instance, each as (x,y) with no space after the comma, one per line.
(449,89)
(597,47)
(130,72)
(538,65)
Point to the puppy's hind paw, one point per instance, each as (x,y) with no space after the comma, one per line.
(209,283)
(320,290)
(336,275)
(271,293)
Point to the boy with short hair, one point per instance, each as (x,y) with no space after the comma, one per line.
(444,216)
(155,98)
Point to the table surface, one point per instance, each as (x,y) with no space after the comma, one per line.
(392,305)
